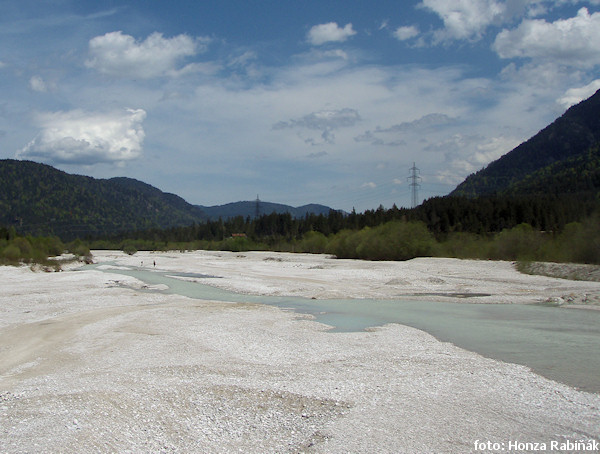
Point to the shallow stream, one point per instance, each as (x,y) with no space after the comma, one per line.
(560,344)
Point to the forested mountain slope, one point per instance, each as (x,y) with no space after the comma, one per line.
(41,200)
(562,158)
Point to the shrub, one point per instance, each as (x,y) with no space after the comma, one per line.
(24,246)
(343,244)
(11,253)
(129,249)
(579,242)
(519,243)
(394,240)
(463,245)
(313,242)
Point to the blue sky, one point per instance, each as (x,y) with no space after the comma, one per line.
(299,102)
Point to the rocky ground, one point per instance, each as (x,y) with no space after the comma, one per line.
(90,365)
(572,271)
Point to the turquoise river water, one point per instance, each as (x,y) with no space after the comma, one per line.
(560,344)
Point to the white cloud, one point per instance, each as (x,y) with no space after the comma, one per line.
(466,19)
(571,42)
(77,137)
(576,95)
(324,33)
(117,54)
(36,83)
(465,154)
(404,33)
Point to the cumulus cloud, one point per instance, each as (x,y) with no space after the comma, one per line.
(466,19)
(576,95)
(404,33)
(323,33)
(78,137)
(571,42)
(117,54)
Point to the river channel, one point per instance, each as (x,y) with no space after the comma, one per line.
(558,343)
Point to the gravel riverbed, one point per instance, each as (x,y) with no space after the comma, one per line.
(88,363)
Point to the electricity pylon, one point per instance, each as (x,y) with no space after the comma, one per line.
(414,179)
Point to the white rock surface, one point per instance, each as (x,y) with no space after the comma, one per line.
(89,364)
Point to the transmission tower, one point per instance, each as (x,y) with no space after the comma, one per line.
(414,179)
(257,212)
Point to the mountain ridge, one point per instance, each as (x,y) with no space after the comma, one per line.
(39,199)
(249,208)
(573,134)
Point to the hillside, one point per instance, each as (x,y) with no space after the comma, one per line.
(41,200)
(562,158)
(248,208)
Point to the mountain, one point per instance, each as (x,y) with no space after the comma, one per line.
(39,199)
(561,158)
(249,208)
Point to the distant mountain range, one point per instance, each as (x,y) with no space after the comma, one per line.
(562,158)
(41,200)
(252,208)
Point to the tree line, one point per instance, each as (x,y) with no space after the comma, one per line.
(550,228)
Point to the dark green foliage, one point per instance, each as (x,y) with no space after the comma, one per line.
(129,248)
(519,243)
(485,215)
(395,240)
(16,249)
(313,242)
(578,242)
(41,200)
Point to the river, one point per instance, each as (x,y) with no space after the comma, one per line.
(558,343)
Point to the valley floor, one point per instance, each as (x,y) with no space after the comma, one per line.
(88,363)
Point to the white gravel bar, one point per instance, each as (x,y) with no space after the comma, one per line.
(91,364)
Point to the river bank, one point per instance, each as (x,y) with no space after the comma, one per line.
(321,276)
(88,363)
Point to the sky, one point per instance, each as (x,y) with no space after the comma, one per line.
(296,102)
